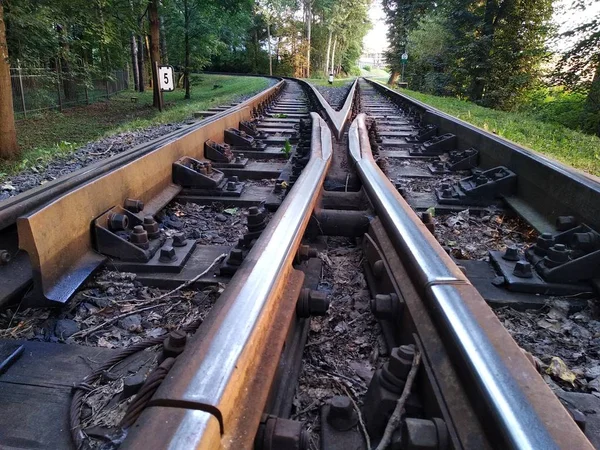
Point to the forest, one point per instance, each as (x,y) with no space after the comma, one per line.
(501,54)
(495,53)
(78,42)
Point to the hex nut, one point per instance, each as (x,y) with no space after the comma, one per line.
(342,415)
(523,270)
(4,257)
(179,240)
(133,205)
(400,361)
(511,253)
(167,254)
(118,222)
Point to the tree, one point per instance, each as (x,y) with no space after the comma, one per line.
(8,133)
(579,66)
(497,47)
(155,50)
(402,16)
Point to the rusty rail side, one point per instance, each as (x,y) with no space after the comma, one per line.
(526,412)
(227,369)
(26,202)
(57,236)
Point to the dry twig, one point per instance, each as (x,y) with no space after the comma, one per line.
(158,300)
(363,428)
(399,410)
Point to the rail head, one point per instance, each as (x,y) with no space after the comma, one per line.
(229,348)
(515,396)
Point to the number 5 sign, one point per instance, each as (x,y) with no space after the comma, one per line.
(166,78)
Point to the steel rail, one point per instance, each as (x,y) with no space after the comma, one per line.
(21,204)
(337,119)
(213,372)
(517,420)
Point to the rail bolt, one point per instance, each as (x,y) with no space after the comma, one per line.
(543,243)
(174,344)
(511,253)
(400,361)
(231,186)
(275,433)
(305,252)
(167,254)
(428,221)
(139,237)
(179,240)
(4,257)
(133,205)
(424,434)
(556,255)
(523,270)
(386,306)
(118,222)
(586,241)
(151,227)
(132,384)
(378,269)
(342,416)
(311,303)
(564,223)
(236,256)
(481,180)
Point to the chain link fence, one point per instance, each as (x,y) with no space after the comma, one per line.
(36,90)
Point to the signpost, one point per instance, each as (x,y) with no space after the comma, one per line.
(166,78)
(404,60)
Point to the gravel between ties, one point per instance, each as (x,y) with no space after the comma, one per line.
(335,95)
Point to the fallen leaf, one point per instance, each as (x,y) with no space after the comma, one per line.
(558,369)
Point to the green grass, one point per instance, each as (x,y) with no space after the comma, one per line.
(51,134)
(573,148)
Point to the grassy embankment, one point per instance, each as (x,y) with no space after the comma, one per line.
(571,147)
(49,134)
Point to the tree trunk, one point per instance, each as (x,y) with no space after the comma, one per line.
(8,133)
(308,32)
(154,48)
(140,56)
(186,30)
(134,62)
(163,44)
(68,82)
(592,102)
(481,61)
(269,48)
(393,77)
(333,56)
(328,54)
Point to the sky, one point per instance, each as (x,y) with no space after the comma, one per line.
(563,17)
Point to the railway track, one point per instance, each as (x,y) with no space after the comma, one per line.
(210,292)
